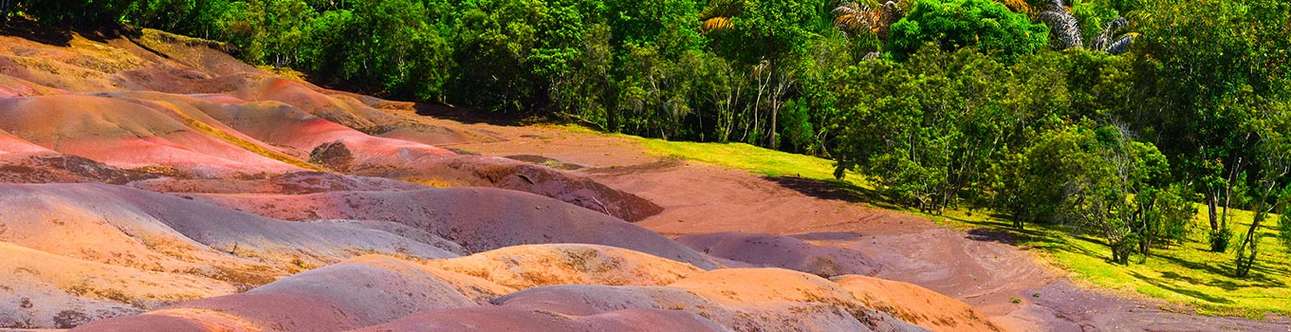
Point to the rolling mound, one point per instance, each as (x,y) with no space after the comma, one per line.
(381,293)
(116,232)
(477,218)
(527,266)
(160,101)
(916,304)
(781,251)
(12,145)
(132,133)
(496,319)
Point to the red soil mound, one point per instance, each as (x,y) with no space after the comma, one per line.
(251,122)
(378,293)
(502,319)
(126,132)
(377,289)
(24,162)
(916,305)
(41,289)
(781,251)
(357,293)
(528,266)
(739,299)
(166,248)
(158,219)
(57,168)
(12,145)
(283,125)
(290,183)
(477,218)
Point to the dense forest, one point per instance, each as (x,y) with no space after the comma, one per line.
(1114,115)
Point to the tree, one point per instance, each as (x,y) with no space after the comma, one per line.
(657,91)
(1064,28)
(511,51)
(1270,179)
(193,17)
(1201,71)
(670,28)
(924,129)
(392,47)
(76,13)
(1284,227)
(764,35)
(1102,181)
(5,7)
(985,24)
(1165,214)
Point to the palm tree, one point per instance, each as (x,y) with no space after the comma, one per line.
(717,16)
(854,17)
(1065,30)
(1111,40)
(1063,27)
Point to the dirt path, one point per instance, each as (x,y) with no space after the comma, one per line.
(980,270)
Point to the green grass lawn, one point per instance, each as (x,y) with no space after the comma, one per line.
(752,158)
(1184,274)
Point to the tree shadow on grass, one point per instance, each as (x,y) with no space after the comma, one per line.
(1257,278)
(1181,291)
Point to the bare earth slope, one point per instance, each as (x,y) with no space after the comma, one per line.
(152,182)
(149,181)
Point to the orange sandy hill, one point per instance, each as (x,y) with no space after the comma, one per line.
(151,182)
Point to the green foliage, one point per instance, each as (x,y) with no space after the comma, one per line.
(1167,215)
(656,91)
(952,24)
(941,127)
(1099,180)
(1093,16)
(508,51)
(79,13)
(1284,228)
(195,17)
(380,45)
(769,29)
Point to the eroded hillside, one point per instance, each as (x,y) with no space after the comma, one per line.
(152,182)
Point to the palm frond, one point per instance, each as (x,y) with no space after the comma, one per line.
(856,16)
(1064,29)
(1107,38)
(717,23)
(1019,6)
(1121,45)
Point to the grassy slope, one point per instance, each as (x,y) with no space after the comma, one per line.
(1185,274)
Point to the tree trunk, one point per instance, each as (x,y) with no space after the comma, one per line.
(1211,210)
(1246,260)
(4,12)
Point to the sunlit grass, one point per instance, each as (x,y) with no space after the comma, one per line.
(1186,273)
(762,161)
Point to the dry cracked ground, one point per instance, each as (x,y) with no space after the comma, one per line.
(149,181)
